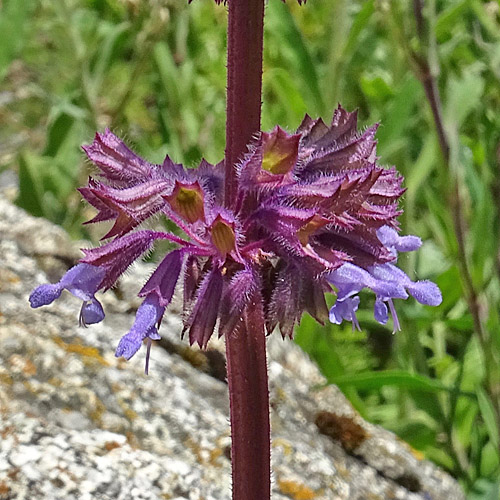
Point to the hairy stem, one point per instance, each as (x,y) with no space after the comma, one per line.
(244,82)
(249,402)
(246,347)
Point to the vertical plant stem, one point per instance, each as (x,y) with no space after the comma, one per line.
(245,33)
(246,348)
(249,402)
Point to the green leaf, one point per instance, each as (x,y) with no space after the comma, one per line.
(398,115)
(423,167)
(448,18)
(398,378)
(110,36)
(282,23)
(488,415)
(168,73)
(358,26)
(417,434)
(463,95)
(14,15)
(484,489)
(375,86)
(30,197)
(57,134)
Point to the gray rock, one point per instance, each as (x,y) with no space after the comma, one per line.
(77,423)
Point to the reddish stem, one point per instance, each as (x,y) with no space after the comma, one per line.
(246,349)
(249,402)
(245,33)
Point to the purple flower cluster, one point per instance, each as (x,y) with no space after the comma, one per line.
(312,209)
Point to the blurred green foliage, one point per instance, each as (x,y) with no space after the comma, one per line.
(155,73)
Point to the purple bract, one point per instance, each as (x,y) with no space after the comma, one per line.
(311,209)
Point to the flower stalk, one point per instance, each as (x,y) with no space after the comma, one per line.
(246,349)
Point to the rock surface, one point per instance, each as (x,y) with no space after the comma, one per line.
(77,423)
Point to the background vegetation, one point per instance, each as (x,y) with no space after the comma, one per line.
(154,71)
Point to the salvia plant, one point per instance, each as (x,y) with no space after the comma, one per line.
(265,233)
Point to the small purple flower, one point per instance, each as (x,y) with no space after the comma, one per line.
(386,280)
(148,316)
(311,209)
(345,309)
(82,281)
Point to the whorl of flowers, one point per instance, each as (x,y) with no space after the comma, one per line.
(313,209)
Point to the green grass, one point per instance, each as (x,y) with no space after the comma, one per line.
(155,73)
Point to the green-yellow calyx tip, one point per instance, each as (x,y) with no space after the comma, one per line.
(280,151)
(223,236)
(316,222)
(187,201)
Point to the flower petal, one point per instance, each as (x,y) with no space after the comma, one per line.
(83,280)
(380,311)
(148,315)
(390,238)
(45,295)
(91,313)
(426,292)
(344,309)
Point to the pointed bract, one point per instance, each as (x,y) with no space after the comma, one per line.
(204,316)
(163,281)
(116,161)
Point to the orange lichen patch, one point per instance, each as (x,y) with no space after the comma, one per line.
(285,445)
(204,456)
(8,278)
(196,449)
(13,473)
(7,431)
(23,365)
(33,389)
(128,413)
(223,236)
(111,445)
(341,428)
(187,201)
(417,453)
(132,440)
(214,456)
(55,381)
(6,379)
(82,350)
(97,411)
(4,489)
(296,490)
